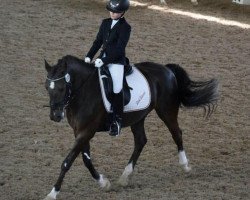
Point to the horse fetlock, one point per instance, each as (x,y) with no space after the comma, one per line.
(124,179)
(48,198)
(182,158)
(183,161)
(104,183)
(194,2)
(186,167)
(52,195)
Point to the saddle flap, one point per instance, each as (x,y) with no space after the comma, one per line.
(108,86)
(137,94)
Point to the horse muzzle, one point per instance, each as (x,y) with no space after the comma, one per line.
(57,115)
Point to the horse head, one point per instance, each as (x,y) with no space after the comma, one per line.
(58,85)
(64,81)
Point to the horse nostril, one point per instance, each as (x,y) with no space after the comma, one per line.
(58,115)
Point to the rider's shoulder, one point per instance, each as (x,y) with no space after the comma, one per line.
(124,21)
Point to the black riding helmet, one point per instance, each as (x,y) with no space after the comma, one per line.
(118,6)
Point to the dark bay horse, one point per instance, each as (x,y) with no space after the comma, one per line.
(73,85)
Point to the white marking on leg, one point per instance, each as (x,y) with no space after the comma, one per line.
(128,170)
(87,156)
(163,2)
(182,158)
(123,180)
(53,193)
(184,161)
(195,2)
(104,182)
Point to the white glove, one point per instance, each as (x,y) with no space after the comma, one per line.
(98,62)
(87,60)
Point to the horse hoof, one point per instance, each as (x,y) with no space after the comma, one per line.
(163,2)
(186,168)
(104,183)
(123,181)
(49,198)
(194,2)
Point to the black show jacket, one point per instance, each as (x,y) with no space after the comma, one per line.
(113,41)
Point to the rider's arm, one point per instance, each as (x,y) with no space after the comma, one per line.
(97,43)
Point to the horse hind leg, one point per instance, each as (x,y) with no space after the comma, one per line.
(170,120)
(140,140)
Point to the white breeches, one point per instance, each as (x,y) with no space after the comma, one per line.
(116,71)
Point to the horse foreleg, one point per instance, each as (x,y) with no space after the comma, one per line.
(102,181)
(140,140)
(64,168)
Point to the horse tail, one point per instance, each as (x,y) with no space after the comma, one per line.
(195,93)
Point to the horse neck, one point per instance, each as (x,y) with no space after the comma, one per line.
(85,84)
(86,91)
(87,101)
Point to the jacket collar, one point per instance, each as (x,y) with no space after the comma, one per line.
(119,22)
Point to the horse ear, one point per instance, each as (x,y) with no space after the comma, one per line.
(47,66)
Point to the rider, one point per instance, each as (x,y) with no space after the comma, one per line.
(113,36)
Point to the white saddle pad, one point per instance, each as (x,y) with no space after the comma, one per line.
(140,94)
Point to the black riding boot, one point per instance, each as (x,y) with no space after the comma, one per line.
(117,105)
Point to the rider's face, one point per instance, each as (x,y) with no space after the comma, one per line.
(115,15)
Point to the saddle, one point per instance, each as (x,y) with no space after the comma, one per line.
(108,84)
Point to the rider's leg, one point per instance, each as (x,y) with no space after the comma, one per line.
(116,71)
(117,104)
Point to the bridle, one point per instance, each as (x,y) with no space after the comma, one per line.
(65,102)
(68,94)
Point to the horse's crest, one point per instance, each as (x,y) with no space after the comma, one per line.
(140,96)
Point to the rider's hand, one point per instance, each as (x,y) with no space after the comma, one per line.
(87,59)
(98,62)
